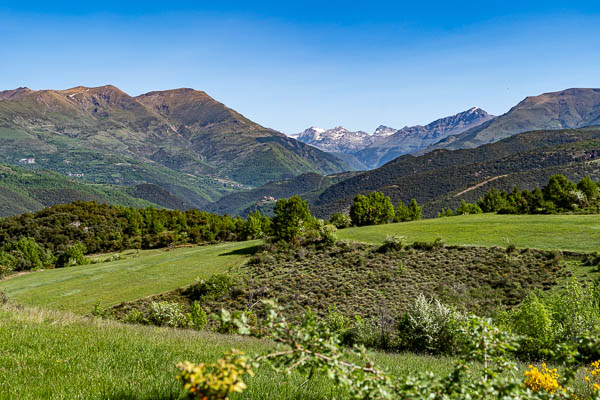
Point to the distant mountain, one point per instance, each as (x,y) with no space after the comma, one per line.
(336,140)
(367,151)
(571,108)
(441,178)
(181,140)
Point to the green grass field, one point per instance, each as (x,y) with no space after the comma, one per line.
(154,271)
(564,232)
(57,355)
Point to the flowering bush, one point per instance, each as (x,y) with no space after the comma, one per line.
(168,314)
(592,376)
(216,381)
(544,379)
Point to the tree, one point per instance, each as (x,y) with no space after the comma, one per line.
(290,216)
(559,190)
(402,213)
(468,208)
(73,255)
(589,188)
(414,211)
(492,201)
(254,226)
(374,209)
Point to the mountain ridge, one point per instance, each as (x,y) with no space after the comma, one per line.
(180,139)
(386,143)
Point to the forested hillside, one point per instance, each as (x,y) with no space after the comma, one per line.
(531,156)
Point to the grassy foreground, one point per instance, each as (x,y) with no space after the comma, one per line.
(58,355)
(153,271)
(563,232)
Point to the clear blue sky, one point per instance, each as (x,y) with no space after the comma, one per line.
(327,63)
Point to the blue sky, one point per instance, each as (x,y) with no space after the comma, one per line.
(290,65)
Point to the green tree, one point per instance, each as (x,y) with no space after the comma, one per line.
(414,211)
(589,188)
(73,255)
(468,208)
(374,209)
(290,217)
(492,201)
(559,191)
(402,213)
(252,228)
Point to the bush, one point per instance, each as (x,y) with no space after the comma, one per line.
(411,213)
(135,317)
(429,326)
(392,243)
(197,317)
(533,321)
(340,220)
(169,314)
(216,286)
(291,216)
(3,298)
(73,255)
(468,208)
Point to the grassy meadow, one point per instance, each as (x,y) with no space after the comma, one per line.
(138,275)
(59,355)
(580,233)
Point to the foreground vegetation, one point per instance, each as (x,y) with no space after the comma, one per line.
(47,354)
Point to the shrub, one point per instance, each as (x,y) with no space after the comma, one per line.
(392,243)
(197,317)
(216,286)
(411,213)
(429,326)
(73,255)
(340,220)
(216,381)
(545,379)
(445,213)
(468,208)
(134,317)
(169,314)
(533,321)
(3,298)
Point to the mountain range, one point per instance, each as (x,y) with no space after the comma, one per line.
(367,151)
(570,108)
(182,140)
(182,149)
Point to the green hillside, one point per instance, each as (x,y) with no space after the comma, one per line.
(438,174)
(23,190)
(138,274)
(579,233)
(308,186)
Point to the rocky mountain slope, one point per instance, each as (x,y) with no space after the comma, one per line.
(367,151)
(571,108)
(182,140)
